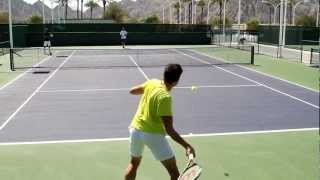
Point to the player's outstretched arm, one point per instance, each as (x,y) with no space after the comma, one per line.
(137,90)
(168,124)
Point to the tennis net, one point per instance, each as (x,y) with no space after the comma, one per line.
(22,58)
(4,47)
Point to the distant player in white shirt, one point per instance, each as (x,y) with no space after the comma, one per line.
(123,36)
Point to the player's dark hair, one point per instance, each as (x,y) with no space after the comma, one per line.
(172,73)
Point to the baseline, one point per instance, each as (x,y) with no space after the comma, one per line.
(190,135)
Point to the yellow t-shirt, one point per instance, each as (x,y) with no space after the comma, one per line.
(155,102)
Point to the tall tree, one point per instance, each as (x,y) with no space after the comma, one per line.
(92,5)
(177,7)
(220,2)
(66,9)
(4,17)
(291,3)
(65,4)
(306,21)
(115,12)
(201,4)
(77,9)
(153,19)
(276,3)
(188,4)
(209,2)
(190,11)
(104,3)
(81,9)
(35,19)
(272,4)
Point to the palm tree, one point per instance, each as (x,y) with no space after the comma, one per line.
(177,7)
(220,2)
(201,4)
(77,9)
(291,3)
(91,4)
(270,10)
(115,12)
(81,9)
(276,2)
(272,4)
(208,9)
(104,2)
(66,9)
(191,11)
(64,3)
(189,5)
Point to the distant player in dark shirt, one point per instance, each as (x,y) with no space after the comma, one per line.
(46,42)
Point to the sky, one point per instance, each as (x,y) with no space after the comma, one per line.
(73,3)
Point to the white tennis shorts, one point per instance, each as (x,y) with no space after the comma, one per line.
(46,44)
(157,143)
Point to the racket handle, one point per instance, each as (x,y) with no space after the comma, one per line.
(191,156)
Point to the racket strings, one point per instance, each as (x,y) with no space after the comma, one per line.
(191,173)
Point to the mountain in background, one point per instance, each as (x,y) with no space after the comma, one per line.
(140,9)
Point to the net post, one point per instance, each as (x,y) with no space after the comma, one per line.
(311,55)
(301,51)
(11,60)
(252,55)
(258,42)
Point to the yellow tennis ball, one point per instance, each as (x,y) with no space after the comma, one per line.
(194,88)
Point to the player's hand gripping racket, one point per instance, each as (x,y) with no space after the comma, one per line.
(192,171)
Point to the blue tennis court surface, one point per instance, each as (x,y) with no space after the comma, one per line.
(74,102)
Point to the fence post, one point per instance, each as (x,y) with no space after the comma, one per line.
(252,54)
(11,60)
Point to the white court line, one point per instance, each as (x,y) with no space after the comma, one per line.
(24,73)
(218,86)
(187,136)
(34,93)
(144,74)
(265,74)
(243,77)
(84,90)
(127,89)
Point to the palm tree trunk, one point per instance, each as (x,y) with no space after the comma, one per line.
(290,13)
(66,10)
(220,14)
(190,12)
(81,9)
(279,9)
(201,16)
(270,15)
(185,13)
(77,9)
(178,17)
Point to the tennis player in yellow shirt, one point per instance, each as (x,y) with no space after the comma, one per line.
(153,120)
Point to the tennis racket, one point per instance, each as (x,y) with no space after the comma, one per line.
(192,170)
